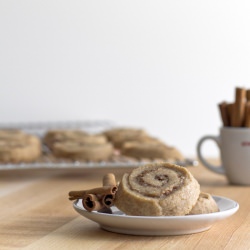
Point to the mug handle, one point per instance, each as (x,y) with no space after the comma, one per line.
(216,139)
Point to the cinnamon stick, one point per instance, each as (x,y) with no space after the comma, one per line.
(248,95)
(109,180)
(247,115)
(91,202)
(224,114)
(73,195)
(108,200)
(229,108)
(98,198)
(239,107)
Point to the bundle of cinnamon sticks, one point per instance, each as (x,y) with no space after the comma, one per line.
(100,198)
(236,114)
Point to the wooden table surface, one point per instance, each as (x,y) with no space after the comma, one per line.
(36,214)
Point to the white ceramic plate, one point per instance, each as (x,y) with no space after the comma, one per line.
(118,222)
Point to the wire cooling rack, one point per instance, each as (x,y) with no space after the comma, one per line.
(47,161)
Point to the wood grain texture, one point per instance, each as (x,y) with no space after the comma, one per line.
(36,214)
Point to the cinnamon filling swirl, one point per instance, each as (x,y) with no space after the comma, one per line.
(157,189)
(157,182)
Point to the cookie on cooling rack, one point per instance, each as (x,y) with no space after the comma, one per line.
(118,136)
(17,147)
(11,134)
(151,150)
(76,150)
(53,136)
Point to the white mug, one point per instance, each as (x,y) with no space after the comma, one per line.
(234,145)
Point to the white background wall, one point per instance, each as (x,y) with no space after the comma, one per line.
(161,65)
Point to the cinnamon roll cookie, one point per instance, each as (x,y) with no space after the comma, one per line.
(11,134)
(53,136)
(157,189)
(205,205)
(118,136)
(150,150)
(83,151)
(23,148)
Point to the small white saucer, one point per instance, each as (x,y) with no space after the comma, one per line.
(118,222)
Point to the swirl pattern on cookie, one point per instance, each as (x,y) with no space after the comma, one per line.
(157,189)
